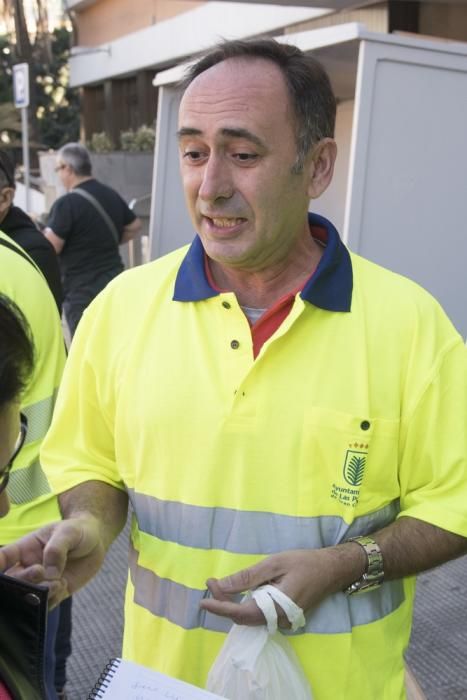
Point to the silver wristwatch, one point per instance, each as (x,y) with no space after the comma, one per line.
(374,574)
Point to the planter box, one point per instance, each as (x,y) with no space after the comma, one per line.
(129,173)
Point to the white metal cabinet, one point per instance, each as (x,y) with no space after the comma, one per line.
(407,197)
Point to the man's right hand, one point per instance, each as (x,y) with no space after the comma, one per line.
(63,556)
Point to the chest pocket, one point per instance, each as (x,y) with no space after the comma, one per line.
(349,463)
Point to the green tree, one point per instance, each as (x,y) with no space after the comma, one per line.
(10,120)
(6,85)
(54,107)
(57,105)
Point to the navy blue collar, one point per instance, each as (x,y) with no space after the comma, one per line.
(330,287)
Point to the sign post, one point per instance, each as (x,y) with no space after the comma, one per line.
(21,96)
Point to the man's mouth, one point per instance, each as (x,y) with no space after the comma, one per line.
(224,222)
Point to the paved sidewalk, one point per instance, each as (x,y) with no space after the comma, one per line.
(437,655)
(438,651)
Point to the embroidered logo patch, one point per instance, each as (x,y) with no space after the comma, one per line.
(353,472)
(354,467)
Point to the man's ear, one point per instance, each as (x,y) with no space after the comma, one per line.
(321,167)
(6,199)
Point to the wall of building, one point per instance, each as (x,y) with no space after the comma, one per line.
(442,19)
(446,20)
(116,80)
(107,20)
(117,105)
(375,18)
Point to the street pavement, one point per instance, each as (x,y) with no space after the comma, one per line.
(437,655)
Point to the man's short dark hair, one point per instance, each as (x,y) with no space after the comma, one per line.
(16,352)
(77,157)
(309,87)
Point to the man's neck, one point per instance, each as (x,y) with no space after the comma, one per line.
(78,179)
(261,288)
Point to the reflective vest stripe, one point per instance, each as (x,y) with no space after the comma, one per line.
(39,417)
(248,532)
(180,604)
(27,483)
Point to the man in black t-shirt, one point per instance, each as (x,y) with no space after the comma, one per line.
(21,228)
(86,226)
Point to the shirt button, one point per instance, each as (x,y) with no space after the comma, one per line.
(365,424)
(234,344)
(226,304)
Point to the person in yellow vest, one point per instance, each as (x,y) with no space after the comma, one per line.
(23,607)
(32,503)
(262,397)
(16,367)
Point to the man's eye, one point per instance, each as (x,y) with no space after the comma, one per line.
(193,155)
(245,157)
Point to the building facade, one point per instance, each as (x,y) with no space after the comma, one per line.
(120,45)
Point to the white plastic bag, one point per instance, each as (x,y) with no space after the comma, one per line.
(258,663)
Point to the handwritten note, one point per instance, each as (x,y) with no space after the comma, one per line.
(126,680)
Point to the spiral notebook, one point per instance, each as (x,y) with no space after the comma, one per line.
(125,680)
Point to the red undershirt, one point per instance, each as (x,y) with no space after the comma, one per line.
(4,694)
(272,318)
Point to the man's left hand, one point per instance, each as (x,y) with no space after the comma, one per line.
(307,576)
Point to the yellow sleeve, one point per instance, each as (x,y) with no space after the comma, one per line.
(433,467)
(80,443)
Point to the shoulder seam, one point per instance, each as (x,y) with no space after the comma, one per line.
(433,374)
(19,252)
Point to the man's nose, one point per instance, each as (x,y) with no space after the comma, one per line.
(216,180)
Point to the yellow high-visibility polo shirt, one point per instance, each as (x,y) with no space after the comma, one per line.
(32,503)
(352,414)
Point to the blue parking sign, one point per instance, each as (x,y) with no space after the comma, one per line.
(21,84)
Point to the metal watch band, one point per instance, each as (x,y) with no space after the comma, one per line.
(374,575)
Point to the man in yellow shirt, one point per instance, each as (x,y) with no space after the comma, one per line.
(263,397)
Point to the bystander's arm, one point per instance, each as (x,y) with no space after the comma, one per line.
(66,555)
(131,230)
(96,499)
(55,240)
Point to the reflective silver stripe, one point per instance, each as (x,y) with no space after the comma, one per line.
(248,532)
(171,600)
(180,604)
(252,532)
(39,417)
(27,484)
